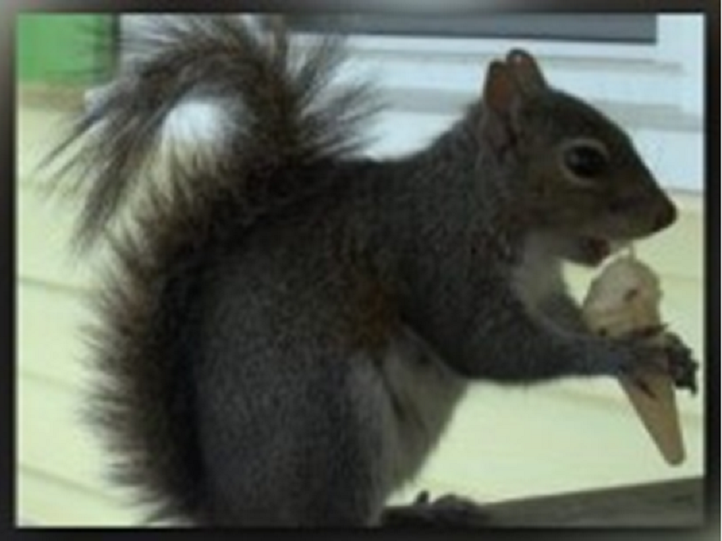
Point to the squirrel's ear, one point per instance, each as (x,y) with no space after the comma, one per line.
(499,89)
(500,99)
(525,70)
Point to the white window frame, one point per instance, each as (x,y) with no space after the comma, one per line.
(654,90)
(677,52)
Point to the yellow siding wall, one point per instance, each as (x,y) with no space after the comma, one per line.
(502,443)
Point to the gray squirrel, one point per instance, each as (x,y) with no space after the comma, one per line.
(288,325)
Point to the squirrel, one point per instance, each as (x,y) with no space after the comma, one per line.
(289,324)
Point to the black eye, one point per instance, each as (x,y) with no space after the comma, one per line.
(586,161)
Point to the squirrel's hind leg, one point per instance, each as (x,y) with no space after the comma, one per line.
(286,445)
(448,511)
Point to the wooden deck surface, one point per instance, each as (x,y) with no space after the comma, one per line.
(664,504)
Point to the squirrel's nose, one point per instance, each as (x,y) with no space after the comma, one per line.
(665,217)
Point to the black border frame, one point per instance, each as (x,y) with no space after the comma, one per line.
(9,10)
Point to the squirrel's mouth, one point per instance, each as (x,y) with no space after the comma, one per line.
(592,251)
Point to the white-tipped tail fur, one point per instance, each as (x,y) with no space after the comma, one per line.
(222,95)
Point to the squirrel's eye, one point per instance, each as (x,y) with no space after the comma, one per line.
(585,161)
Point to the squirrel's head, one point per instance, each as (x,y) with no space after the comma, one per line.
(578,173)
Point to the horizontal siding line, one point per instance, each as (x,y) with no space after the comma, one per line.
(34,375)
(32,280)
(35,184)
(65,482)
(56,378)
(45,503)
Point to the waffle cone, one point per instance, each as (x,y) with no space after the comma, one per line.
(656,406)
(624,298)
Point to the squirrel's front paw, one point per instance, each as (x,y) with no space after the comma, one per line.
(681,366)
(657,350)
(447,511)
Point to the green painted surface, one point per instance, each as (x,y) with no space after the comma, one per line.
(61,48)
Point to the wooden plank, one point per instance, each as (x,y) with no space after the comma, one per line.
(669,504)
(675,504)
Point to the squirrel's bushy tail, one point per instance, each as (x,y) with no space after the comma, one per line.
(205,116)
(198,99)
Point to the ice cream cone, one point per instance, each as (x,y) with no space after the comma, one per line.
(625,298)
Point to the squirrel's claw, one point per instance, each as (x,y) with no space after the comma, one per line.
(680,364)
